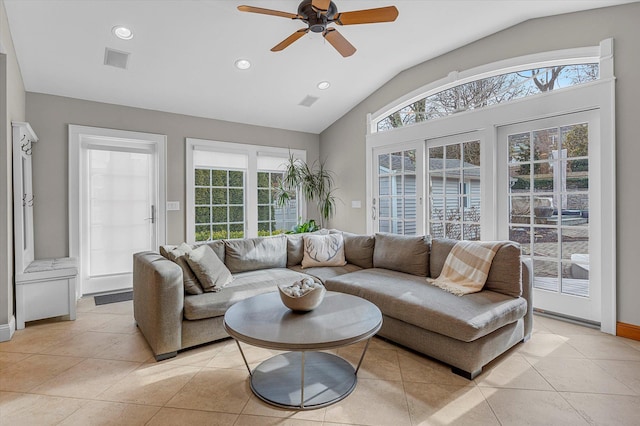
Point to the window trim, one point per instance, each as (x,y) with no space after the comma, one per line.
(251,179)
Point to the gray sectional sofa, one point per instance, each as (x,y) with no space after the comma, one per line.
(389,270)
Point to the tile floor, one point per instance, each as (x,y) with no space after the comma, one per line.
(98,370)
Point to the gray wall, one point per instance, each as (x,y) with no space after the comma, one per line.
(347,135)
(50,115)
(12,108)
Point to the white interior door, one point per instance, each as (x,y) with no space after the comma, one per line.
(116,204)
(397,204)
(547,169)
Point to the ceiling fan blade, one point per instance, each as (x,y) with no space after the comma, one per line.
(367,16)
(322,5)
(268,12)
(339,42)
(289,40)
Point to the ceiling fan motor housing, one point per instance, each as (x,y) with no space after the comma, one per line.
(317,21)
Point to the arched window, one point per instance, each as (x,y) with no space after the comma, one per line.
(488,90)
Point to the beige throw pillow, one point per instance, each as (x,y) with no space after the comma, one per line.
(211,272)
(178,256)
(323,250)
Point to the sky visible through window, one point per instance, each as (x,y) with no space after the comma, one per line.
(489,91)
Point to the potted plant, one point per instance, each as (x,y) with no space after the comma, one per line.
(314,182)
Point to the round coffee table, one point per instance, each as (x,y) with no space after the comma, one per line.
(303,378)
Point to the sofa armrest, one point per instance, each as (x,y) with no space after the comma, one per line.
(527,293)
(158,302)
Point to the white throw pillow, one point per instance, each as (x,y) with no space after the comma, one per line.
(323,250)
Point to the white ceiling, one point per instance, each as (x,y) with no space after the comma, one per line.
(183,52)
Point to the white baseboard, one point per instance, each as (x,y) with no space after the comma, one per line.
(7,330)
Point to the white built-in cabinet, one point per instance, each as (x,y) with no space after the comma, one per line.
(45,288)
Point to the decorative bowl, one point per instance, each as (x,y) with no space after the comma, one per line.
(303,300)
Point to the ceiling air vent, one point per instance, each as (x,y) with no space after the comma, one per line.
(308,101)
(115,58)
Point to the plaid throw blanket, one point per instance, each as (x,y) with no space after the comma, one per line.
(466,268)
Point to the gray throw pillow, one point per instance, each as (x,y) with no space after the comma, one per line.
(440,248)
(402,253)
(189,279)
(250,254)
(358,249)
(211,272)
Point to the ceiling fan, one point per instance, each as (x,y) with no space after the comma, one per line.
(318,14)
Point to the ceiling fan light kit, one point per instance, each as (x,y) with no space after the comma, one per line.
(319,14)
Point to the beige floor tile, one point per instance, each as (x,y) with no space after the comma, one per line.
(118,324)
(373,402)
(418,368)
(102,413)
(519,407)
(25,409)
(10,358)
(381,364)
(257,407)
(34,370)
(196,357)
(34,339)
(87,344)
(85,321)
(87,379)
(578,375)
(179,417)
(229,356)
(603,346)
(214,389)
(85,304)
(548,345)
(245,420)
(628,372)
(431,404)
(512,371)
(635,344)
(605,410)
(151,384)
(127,347)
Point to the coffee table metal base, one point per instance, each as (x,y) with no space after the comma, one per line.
(303,380)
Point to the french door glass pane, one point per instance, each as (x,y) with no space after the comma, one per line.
(454,190)
(397,193)
(119,210)
(550,218)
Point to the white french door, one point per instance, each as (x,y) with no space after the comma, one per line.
(118,208)
(397,204)
(549,172)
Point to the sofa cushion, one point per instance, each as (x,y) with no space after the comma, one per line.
(358,249)
(218,248)
(323,250)
(211,272)
(505,274)
(410,299)
(251,254)
(295,246)
(189,279)
(403,253)
(325,272)
(244,285)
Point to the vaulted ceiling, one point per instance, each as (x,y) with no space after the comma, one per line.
(183,52)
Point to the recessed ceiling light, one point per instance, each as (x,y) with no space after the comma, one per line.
(324,85)
(243,64)
(121,32)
